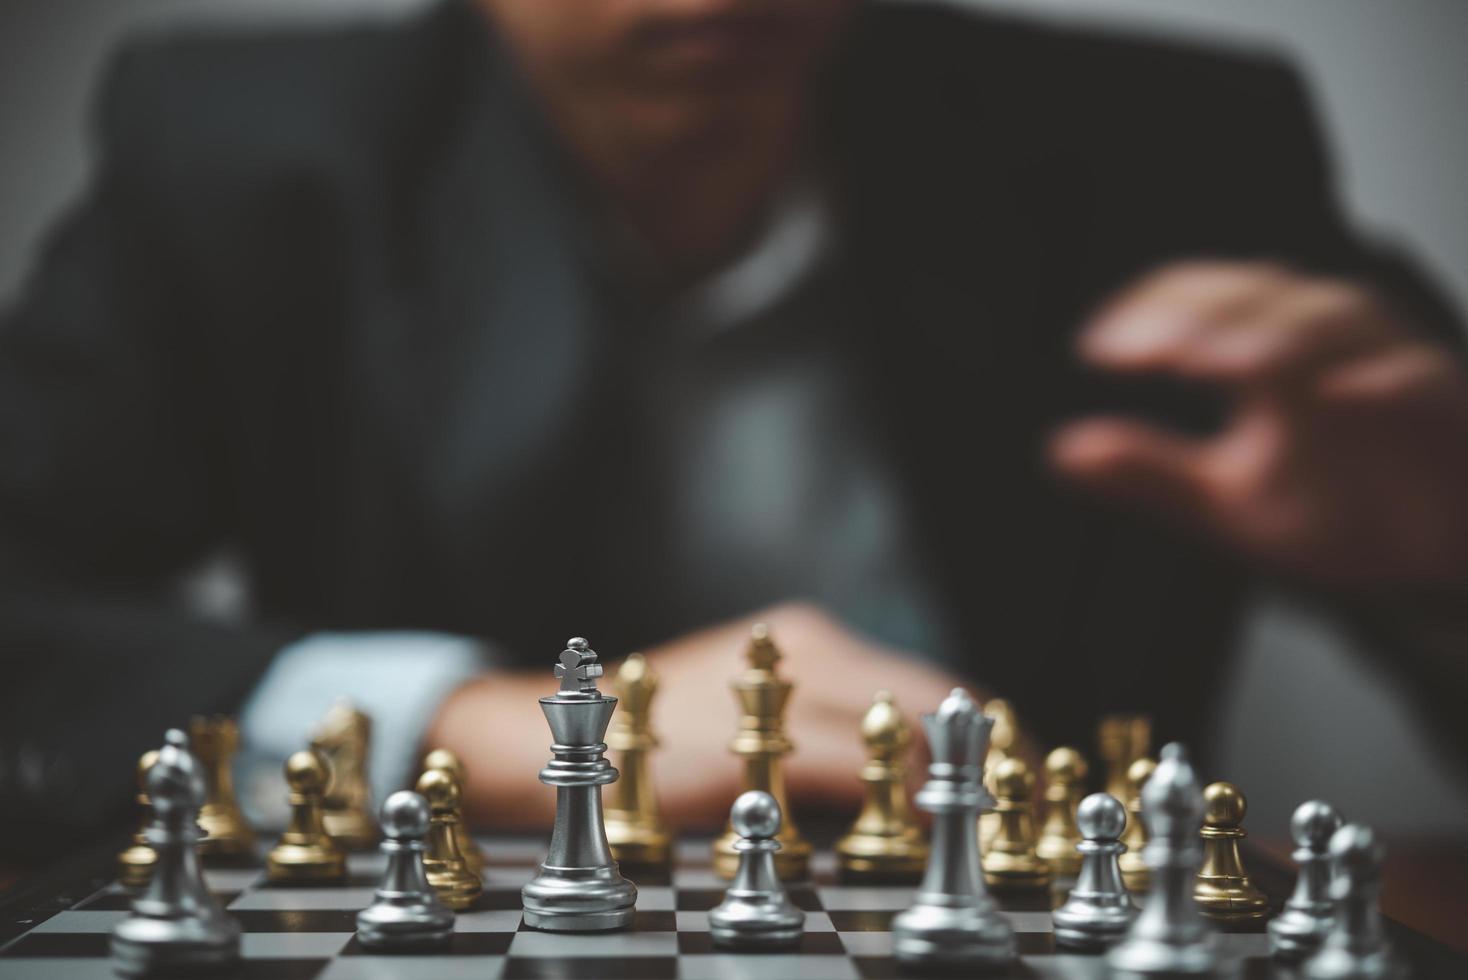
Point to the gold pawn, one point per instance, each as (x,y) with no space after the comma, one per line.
(474,857)
(635,831)
(1012,862)
(228,835)
(1065,782)
(306,853)
(135,864)
(1122,740)
(456,885)
(1222,889)
(885,841)
(343,738)
(1134,872)
(762,744)
(1002,737)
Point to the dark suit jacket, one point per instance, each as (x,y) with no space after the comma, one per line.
(323,305)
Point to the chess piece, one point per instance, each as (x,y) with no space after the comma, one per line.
(135,864)
(1170,937)
(579,887)
(406,913)
(885,842)
(1001,739)
(1299,930)
(444,866)
(343,738)
(1011,863)
(1065,781)
(1133,866)
(305,852)
(953,922)
(762,744)
(228,836)
(176,925)
(634,829)
(474,857)
(1120,741)
(756,913)
(1223,890)
(1099,910)
(1356,947)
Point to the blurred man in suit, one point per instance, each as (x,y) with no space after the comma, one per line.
(958,349)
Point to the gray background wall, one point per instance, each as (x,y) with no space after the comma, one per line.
(1307,714)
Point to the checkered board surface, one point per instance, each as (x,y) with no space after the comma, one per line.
(307,932)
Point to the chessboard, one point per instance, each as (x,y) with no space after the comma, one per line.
(306,933)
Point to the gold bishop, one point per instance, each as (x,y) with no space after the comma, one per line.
(885,841)
(635,831)
(762,744)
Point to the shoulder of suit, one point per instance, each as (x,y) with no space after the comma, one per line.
(190,94)
(1073,70)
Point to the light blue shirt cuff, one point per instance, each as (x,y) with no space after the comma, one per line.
(398,678)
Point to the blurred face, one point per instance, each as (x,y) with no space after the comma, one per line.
(671,63)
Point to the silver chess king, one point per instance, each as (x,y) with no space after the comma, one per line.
(579,887)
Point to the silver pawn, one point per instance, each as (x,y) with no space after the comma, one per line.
(953,921)
(406,913)
(1356,948)
(579,887)
(1170,937)
(176,925)
(756,913)
(1299,930)
(1099,909)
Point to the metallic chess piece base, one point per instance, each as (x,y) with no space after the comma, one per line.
(411,925)
(758,937)
(1153,957)
(457,890)
(870,857)
(935,934)
(1341,964)
(1228,903)
(1295,934)
(1101,931)
(304,863)
(1015,872)
(579,900)
(148,956)
(219,850)
(638,846)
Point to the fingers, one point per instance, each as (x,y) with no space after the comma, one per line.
(1131,460)
(1236,323)
(1153,324)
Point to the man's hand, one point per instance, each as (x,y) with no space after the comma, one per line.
(496,727)
(1346,457)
